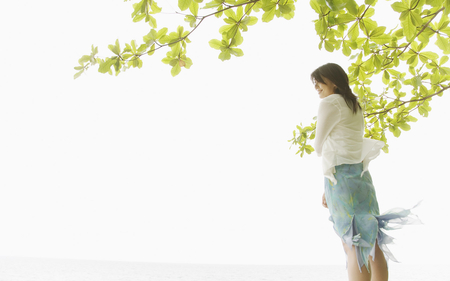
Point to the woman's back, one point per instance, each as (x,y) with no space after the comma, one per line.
(339,136)
(346,136)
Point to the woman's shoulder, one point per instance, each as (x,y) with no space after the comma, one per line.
(334,99)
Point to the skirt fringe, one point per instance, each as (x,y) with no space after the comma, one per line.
(354,212)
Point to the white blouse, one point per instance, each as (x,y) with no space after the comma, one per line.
(339,137)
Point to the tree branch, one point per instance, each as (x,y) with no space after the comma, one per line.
(202,18)
(409,101)
(423,28)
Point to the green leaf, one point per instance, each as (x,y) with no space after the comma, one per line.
(369,64)
(188,63)
(309,149)
(139,18)
(117,45)
(94,50)
(386,77)
(78,74)
(434,79)
(236,52)
(369,13)
(237,39)
(430,55)
(399,7)
(212,4)
(443,44)
(216,44)
(231,14)
(268,16)
(336,5)
(408,28)
(225,55)
(329,46)
(395,130)
(106,65)
(285,9)
(167,60)
(382,39)
(137,63)
(117,65)
(151,51)
(250,21)
(137,8)
(415,18)
(133,46)
(368,24)
(161,32)
(320,26)
(399,33)
(191,20)
(344,18)
(115,48)
(151,21)
(446,30)
(176,48)
(377,61)
(410,118)
(194,8)
(151,37)
(268,5)
(225,28)
(232,32)
(405,126)
(155,8)
(423,111)
(176,69)
(346,49)
(447,6)
(184,5)
(352,7)
(84,59)
(315,5)
(239,13)
(378,31)
(353,33)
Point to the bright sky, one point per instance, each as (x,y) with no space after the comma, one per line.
(197,168)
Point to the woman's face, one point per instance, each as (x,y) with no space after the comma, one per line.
(324,90)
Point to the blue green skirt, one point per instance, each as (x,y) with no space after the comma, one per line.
(354,211)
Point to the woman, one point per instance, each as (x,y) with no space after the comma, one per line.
(349,192)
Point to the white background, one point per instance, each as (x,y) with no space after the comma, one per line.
(197,168)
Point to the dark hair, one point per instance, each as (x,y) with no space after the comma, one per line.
(338,77)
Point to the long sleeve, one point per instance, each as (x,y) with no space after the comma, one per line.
(339,137)
(327,118)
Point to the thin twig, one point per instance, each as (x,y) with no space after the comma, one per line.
(405,102)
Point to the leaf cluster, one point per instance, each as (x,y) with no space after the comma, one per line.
(409,60)
(404,59)
(236,15)
(302,136)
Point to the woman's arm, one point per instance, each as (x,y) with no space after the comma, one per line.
(328,116)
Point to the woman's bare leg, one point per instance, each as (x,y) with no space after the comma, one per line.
(352,266)
(378,267)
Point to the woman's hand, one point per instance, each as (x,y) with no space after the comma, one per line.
(324,201)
